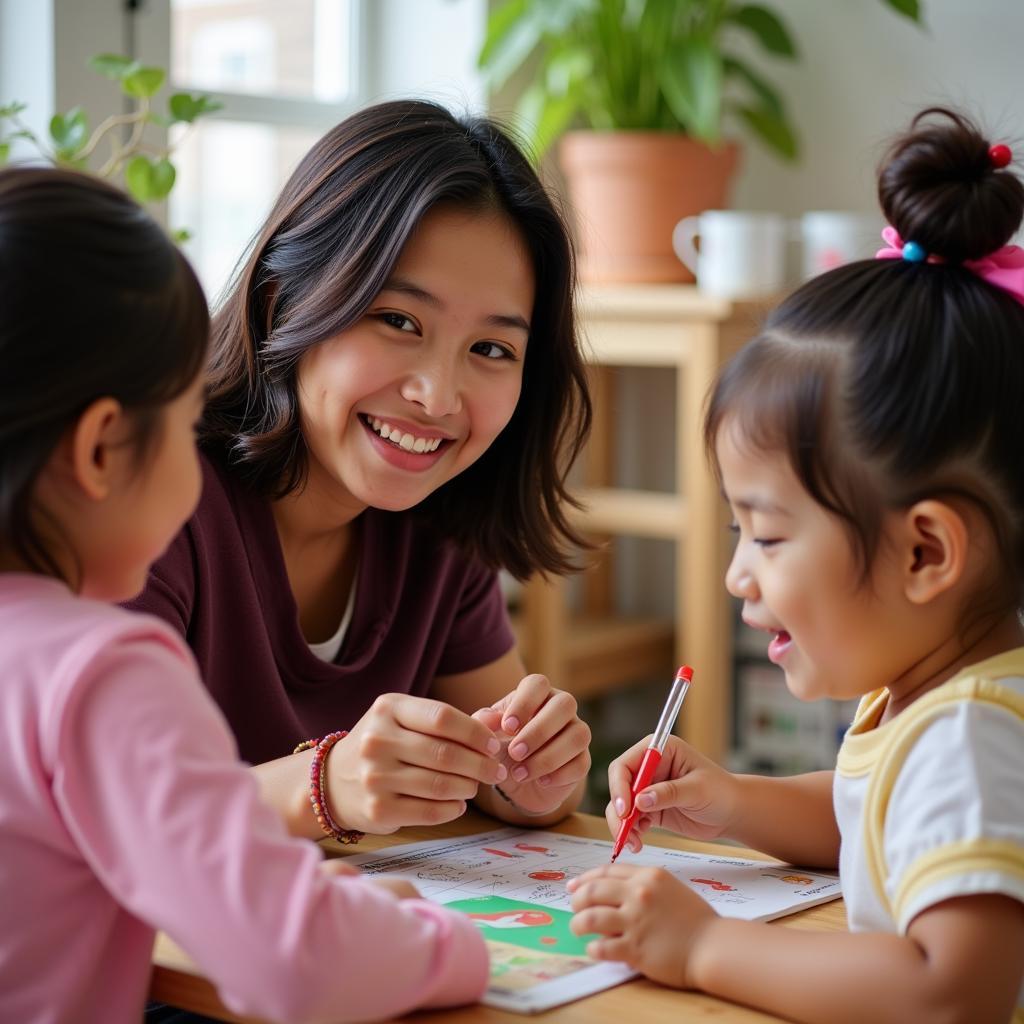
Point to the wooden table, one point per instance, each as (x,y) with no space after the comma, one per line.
(177,980)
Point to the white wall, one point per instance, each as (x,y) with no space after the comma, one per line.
(426,48)
(863,72)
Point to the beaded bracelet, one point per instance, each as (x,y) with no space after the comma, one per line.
(318,787)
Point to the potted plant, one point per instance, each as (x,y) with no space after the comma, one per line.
(147,172)
(652,82)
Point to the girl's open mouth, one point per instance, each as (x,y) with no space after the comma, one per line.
(780,644)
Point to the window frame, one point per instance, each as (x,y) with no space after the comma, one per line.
(288,111)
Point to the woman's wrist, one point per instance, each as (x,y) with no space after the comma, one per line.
(299,809)
(318,797)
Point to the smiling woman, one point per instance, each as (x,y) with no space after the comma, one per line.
(430,376)
(396,394)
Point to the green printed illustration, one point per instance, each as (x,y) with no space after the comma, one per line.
(544,929)
(517,970)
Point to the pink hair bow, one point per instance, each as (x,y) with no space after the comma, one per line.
(1003,268)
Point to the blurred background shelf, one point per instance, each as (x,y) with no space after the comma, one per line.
(574,632)
(598,654)
(640,513)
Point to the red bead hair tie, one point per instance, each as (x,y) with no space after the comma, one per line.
(1000,155)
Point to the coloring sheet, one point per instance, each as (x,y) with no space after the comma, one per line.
(511,882)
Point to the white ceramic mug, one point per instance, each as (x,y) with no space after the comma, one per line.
(833,237)
(732,253)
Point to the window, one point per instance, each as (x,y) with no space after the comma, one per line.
(303,49)
(285,72)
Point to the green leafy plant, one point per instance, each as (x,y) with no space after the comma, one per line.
(148,173)
(653,65)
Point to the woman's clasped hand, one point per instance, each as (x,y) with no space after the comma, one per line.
(416,761)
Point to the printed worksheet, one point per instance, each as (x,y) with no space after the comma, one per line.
(511,882)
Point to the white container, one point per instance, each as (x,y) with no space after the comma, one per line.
(734,254)
(831,238)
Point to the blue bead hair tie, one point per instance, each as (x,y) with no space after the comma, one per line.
(913,253)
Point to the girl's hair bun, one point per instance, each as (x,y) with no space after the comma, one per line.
(939,187)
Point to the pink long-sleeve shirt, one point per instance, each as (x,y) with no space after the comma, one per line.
(124,809)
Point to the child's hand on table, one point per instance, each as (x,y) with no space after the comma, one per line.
(546,745)
(410,761)
(690,794)
(643,917)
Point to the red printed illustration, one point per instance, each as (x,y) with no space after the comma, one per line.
(714,884)
(524,924)
(515,919)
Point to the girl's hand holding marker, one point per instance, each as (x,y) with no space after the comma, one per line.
(651,757)
(641,912)
(689,794)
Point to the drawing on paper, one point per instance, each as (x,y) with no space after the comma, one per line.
(512,884)
(523,924)
(518,970)
(715,884)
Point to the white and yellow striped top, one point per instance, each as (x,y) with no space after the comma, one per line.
(930,804)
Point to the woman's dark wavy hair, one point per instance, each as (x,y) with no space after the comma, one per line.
(327,249)
(95,301)
(887,382)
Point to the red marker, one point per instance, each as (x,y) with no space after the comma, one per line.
(652,756)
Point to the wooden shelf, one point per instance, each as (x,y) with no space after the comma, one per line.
(663,302)
(633,513)
(590,651)
(601,652)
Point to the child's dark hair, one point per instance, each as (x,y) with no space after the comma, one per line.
(96,301)
(888,381)
(325,252)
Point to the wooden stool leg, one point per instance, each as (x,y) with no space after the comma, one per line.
(546,622)
(598,468)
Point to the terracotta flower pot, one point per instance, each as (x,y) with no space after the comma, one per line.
(629,189)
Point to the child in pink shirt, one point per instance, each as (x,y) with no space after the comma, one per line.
(123,805)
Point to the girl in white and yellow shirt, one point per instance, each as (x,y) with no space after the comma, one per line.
(871,446)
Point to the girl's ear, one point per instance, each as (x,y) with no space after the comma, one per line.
(96,447)
(936,539)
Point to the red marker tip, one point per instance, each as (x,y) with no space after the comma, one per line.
(685,672)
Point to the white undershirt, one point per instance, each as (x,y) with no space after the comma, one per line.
(328,649)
